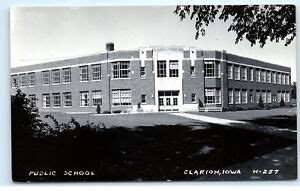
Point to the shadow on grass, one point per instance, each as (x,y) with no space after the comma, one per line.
(156,153)
(280,121)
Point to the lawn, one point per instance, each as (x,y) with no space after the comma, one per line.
(156,147)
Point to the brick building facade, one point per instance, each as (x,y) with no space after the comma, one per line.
(153,79)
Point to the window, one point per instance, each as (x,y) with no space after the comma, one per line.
(161,69)
(175,101)
(209,69)
(230,96)
(23,80)
(32,99)
(193,74)
(274,98)
(143,99)
(66,75)
(218,69)
(268,76)
(56,100)
(120,69)
(269,97)
(212,96)
(193,98)
(84,99)
(251,96)
(257,75)
(244,73)
(287,79)
(46,77)
(46,100)
(236,73)
(31,78)
(264,96)
(121,97)
(274,77)
(283,78)
(237,96)
(161,101)
(263,76)
(283,96)
(96,72)
(143,72)
(278,78)
(55,76)
(229,71)
(251,74)
(278,96)
(97,98)
(287,96)
(168,101)
(258,96)
(14,81)
(84,73)
(244,96)
(174,67)
(67,99)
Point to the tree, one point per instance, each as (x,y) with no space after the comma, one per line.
(282,102)
(294,91)
(256,23)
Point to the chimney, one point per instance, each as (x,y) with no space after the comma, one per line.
(110,46)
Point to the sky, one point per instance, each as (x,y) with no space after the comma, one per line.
(45,34)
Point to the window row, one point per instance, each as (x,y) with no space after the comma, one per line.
(238,96)
(238,72)
(212,96)
(167,70)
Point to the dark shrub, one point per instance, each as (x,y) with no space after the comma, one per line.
(260,103)
(282,102)
(117,111)
(106,112)
(98,110)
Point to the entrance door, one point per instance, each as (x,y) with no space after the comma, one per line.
(168,100)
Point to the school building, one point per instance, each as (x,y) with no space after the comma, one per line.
(153,79)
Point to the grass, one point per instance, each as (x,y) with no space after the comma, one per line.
(143,153)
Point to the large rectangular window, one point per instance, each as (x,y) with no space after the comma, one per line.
(31,79)
(258,96)
(46,77)
(212,96)
(230,96)
(229,71)
(236,73)
(257,75)
(251,96)
(244,73)
(283,78)
(97,98)
(66,75)
(278,78)
(244,96)
(84,73)
(121,69)
(67,99)
(268,77)
(264,96)
(55,76)
(251,74)
(274,77)
(279,96)
(32,99)
(23,80)
(56,100)
(46,100)
(161,69)
(287,79)
(209,69)
(237,96)
(174,68)
(287,96)
(269,95)
(84,99)
(121,97)
(96,72)
(263,76)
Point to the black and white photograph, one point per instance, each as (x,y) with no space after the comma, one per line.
(153,93)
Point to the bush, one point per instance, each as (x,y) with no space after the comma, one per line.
(117,111)
(260,103)
(282,104)
(98,110)
(106,112)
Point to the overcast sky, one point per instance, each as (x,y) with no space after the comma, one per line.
(44,34)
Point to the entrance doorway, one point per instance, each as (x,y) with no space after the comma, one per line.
(168,100)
